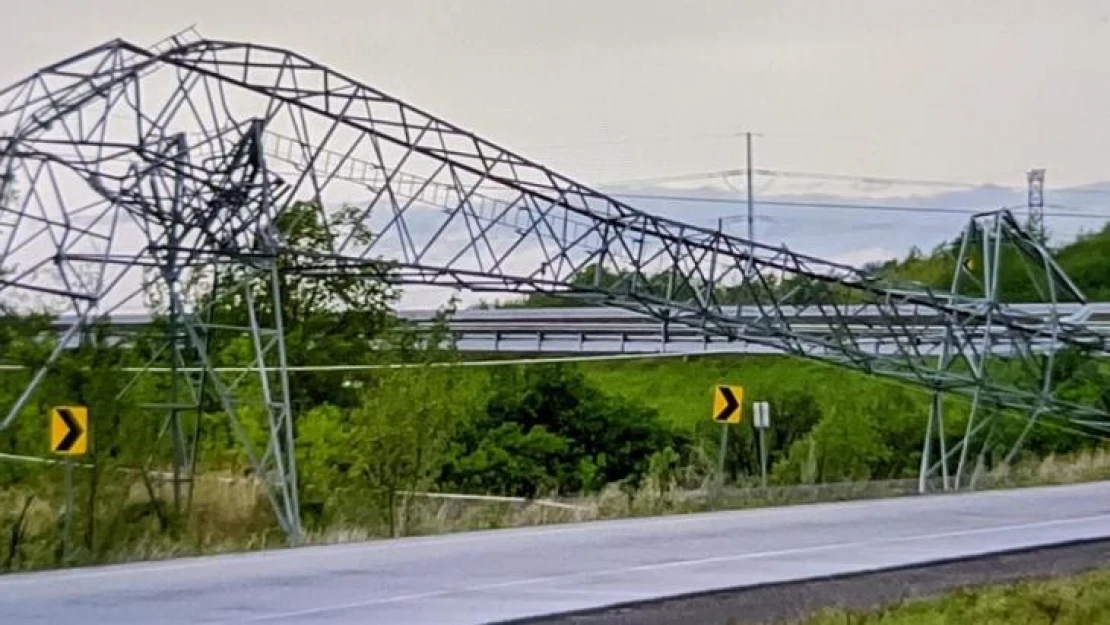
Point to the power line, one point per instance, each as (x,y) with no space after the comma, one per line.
(705,175)
(810,175)
(836,177)
(353,368)
(789,174)
(879,180)
(1082,191)
(841,205)
(585,143)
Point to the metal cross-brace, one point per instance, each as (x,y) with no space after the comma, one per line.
(183,159)
(187,202)
(246,192)
(996,255)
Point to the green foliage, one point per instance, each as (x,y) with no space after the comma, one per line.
(590,277)
(813,405)
(368,439)
(547,429)
(357,460)
(1021,277)
(1021,280)
(1079,600)
(1085,262)
(333,318)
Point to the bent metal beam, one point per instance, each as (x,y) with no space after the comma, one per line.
(125,167)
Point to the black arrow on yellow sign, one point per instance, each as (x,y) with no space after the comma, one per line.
(726,404)
(73,431)
(69,431)
(969,264)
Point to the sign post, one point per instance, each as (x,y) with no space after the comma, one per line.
(721,456)
(761,419)
(727,410)
(67,529)
(69,437)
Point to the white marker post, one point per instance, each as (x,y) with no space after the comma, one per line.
(761,419)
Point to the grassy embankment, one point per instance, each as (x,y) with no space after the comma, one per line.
(680,388)
(1077,600)
(229,514)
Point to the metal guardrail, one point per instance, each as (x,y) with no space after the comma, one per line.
(603,330)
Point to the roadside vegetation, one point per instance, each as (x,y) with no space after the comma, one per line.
(568,441)
(1077,600)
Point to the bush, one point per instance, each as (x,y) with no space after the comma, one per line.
(545,429)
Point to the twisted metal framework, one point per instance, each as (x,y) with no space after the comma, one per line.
(134,167)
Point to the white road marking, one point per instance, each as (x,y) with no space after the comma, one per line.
(670,565)
(462,538)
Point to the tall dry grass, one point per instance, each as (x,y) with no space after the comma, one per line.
(231,513)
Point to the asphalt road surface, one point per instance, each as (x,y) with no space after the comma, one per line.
(502,575)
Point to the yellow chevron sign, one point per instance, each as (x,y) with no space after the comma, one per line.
(728,404)
(69,430)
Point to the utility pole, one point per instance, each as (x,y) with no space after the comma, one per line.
(751,206)
(1035,203)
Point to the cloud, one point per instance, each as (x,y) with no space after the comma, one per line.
(860,257)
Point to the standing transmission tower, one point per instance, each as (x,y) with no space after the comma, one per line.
(1035,203)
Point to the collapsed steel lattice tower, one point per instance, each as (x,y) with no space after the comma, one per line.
(137,166)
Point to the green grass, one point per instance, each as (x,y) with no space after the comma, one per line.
(230,514)
(1078,600)
(681,388)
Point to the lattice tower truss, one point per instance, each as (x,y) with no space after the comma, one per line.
(127,168)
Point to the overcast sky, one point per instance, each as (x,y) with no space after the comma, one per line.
(616,90)
(619,89)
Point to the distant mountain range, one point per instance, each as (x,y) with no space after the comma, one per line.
(834,227)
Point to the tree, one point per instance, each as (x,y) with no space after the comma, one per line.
(393,442)
(331,319)
(545,429)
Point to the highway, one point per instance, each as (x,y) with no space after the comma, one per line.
(606,330)
(493,576)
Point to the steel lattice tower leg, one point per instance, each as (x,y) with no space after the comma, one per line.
(429,203)
(986,246)
(273,375)
(275,467)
